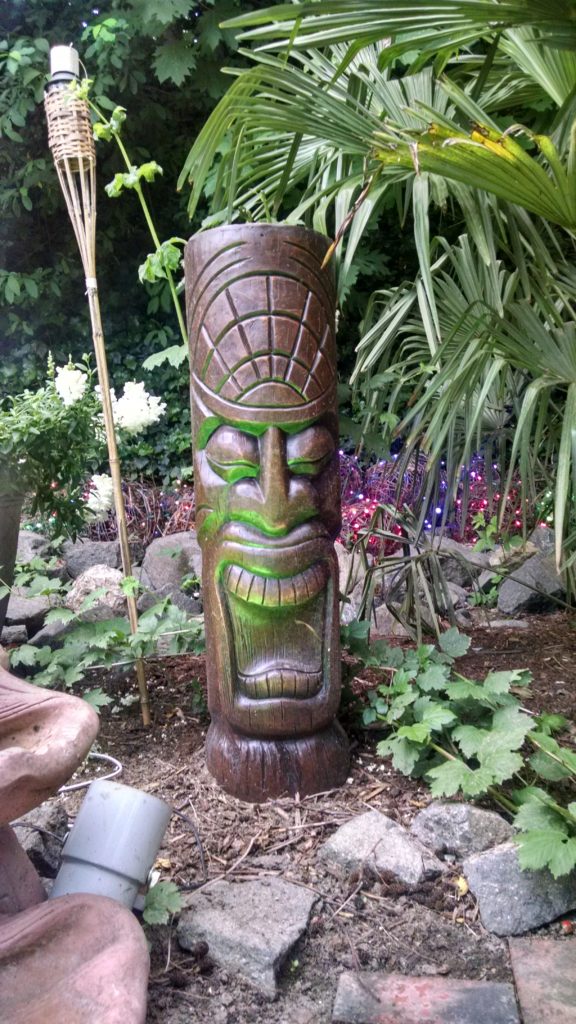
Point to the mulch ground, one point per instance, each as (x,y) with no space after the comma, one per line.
(367,922)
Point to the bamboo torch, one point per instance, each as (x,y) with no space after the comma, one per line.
(71,141)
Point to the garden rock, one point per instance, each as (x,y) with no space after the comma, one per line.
(250,927)
(31,545)
(41,834)
(96,578)
(167,562)
(351,568)
(544,539)
(512,901)
(14,635)
(386,623)
(461,829)
(350,608)
(373,840)
(26,611)
(531,587)
(382,998)
(459,563)
(81,555)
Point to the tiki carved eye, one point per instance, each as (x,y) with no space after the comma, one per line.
(309,451)
(233,454)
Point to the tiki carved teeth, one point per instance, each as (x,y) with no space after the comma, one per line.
(280,682)
(274,591)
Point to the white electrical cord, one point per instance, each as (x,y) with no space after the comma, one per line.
(118,769)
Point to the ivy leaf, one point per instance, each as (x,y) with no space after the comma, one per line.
(162,900)
(97,698)
(547,849)
(419,732)
(537,815)
(404,753)
(548,769)
(174,61)
(59,615)
(436,716)
(448,778)
(175,356)
(500,682)
(28,655)
(434,678)
(502,764)
(454,643)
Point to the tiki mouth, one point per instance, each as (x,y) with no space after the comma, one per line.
(283,615)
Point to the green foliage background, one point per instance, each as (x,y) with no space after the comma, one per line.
(161,60)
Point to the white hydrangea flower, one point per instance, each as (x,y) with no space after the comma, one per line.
(136,409)
(70,384)
(101,497)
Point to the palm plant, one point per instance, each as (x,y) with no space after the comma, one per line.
(422,102)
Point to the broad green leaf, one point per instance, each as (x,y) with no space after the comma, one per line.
(162,900)
(500,682)
(502,764)
(26,654)
(418,733)
(436,716)
(454,643)
(59,615)
(434,678)
(536,815)
(97,698)
(547,849)
(404,753)
(469,738)
(174,61)
(174,355)
(547,768)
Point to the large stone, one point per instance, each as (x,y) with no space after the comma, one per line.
(531,587)
(351,568)
(168,562)
(26,611)
(382,998)
(98,577)
(82,554)
(385,622)
(543,538)
(14,635)
(31,545)
(374,840)
(545,976)
(250,927)
(41,834)
(459,828)
(512,901)
(459,563)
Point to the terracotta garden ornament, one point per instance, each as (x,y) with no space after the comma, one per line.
(265,431)
(76,959)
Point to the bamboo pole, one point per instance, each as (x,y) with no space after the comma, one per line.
(72,145)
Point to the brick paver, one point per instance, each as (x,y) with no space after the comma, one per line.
(545,976)
(381,998)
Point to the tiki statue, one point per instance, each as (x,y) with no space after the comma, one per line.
(265,431)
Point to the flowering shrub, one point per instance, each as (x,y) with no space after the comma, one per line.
(53,439)
(50,440)
(136,409)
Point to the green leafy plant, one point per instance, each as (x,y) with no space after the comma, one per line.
(36,453)
(103,644)
(162,901)
(475,739)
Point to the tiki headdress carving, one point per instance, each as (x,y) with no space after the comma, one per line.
(263,364)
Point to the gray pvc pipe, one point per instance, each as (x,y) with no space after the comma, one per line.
(113,844)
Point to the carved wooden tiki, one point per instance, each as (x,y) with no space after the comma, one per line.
(265,431)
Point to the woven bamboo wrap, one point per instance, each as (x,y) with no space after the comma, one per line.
(69,129)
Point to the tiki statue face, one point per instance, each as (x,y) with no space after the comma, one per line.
(260,314)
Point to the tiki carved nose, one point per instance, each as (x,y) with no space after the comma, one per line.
(280,499)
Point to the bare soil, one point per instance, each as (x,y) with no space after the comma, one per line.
(369,922)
